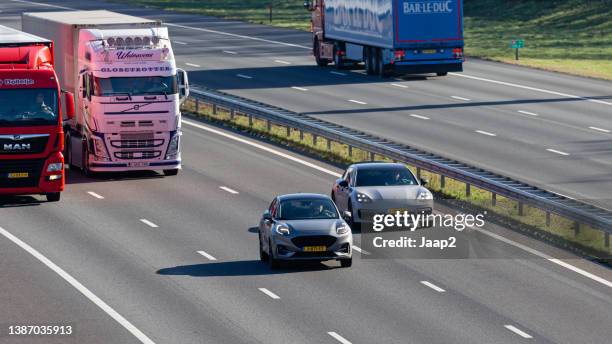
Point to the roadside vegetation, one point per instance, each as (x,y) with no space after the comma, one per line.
(570,36)
(531,221)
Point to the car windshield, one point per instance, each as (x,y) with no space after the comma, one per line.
(135,86)
(385,177)
(28,107)
(307,209)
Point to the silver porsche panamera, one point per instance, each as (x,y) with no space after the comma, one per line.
(304,227)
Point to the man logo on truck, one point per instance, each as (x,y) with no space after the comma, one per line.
(17,146)
(428,7)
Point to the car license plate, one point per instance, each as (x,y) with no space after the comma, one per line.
(138,164)
(17,175)
(315,248)
(394,211)
(429,51)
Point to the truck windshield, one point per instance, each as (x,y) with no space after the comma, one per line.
(135,86)
(28,107)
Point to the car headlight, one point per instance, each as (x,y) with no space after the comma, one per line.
(342,228)
(55,167)
(363,198)
(424,194)
(99,148)
(283,230)
(173,146)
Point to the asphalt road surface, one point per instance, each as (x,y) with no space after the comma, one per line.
(174,259)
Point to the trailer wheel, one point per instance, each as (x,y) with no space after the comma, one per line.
(85,160)
(317,53)
(338,61)
(368,59)
(442,74)
(381,68)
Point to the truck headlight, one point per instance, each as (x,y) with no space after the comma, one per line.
(173,146)
(55,167)
(283,229)
(99,149)
(424,194)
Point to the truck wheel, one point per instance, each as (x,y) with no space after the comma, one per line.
(85,161)
(442,74)
(317,53)
(172,172)
(53,197)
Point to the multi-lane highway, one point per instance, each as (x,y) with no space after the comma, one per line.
(143,258)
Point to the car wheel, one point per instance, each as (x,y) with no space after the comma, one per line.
(273,262)
(346,263)
(263,256)
(53,197)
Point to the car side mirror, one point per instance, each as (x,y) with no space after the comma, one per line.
(267,216)
(424,181)
(342,183)
(69,103)
(347,215)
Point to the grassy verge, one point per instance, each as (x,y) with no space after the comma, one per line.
(560,231)
(570,36)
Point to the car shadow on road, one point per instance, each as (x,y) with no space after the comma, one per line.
(240,268)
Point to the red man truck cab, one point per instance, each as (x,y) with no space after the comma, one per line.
(31,136)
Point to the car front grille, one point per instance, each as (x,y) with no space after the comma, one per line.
(314,240)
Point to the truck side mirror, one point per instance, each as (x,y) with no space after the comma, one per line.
(69,102)
(307,5)
(183,84)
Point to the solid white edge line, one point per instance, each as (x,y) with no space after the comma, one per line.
(193,64)
(339,338)
(149,223)
(230,52)
(244,76)
(41,4)
(399,85)
(519,332)
(433,286)
(600,129)
(530,88)
(80,287)
(179,42)
(461,98)
(557,152)
(232,191)
(264,148)
(547,257)
(337,73)
(299,88)
(282,62)
(360,250)
(419,116)
(93,194)
(527,113)
(206,255)
(269,293)
(357,102)
(485,133)
(338,175)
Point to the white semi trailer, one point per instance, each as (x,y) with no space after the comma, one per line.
(128,90)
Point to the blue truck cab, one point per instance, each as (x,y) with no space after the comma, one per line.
(389,36)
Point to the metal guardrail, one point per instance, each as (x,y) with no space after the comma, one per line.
(580,212)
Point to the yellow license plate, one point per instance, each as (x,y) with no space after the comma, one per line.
(315,248)
(396,210)
(429,51)
(17,175)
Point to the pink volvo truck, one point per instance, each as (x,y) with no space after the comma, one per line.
(128,90)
